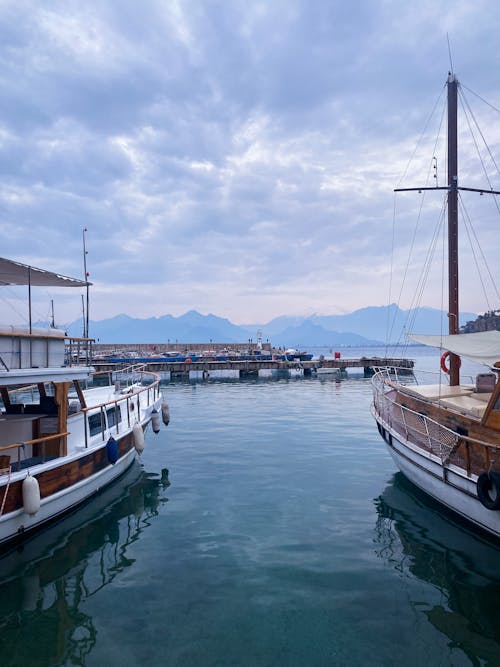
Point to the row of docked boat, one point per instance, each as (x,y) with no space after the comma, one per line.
(192,357)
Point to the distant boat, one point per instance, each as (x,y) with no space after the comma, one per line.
(65,431)
(291,354)
(445,436)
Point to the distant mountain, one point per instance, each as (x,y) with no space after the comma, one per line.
(310,334)
(367,326)
(192,327)
(378,322)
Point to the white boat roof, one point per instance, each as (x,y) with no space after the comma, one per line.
(482,347)
(15,273)
(22,376)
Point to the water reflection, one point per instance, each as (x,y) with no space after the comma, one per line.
(43,584)
(414,535)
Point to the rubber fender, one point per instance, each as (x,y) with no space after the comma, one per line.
(155,420)
(138,437)
(488,490)
(112,450)
(31,495)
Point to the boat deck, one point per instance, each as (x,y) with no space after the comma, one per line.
(462,398)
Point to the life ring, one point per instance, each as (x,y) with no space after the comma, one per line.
(444,367)
(488,490)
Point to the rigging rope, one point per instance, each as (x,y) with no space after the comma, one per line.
(469,228)
(465,104)
(421,136)
(410,320)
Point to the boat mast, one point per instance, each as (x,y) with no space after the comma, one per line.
(452,188)
(453,307)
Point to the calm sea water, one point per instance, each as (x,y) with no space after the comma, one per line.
(266,525)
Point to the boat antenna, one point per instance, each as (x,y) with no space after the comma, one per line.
(52,323)
(86,278)
(449,53)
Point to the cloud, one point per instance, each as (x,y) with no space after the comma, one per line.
(236,158)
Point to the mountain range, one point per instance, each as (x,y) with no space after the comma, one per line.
(373,325)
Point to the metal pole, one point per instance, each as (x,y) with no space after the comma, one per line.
(86,276)
(30,320)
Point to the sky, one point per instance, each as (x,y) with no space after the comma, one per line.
(239,157)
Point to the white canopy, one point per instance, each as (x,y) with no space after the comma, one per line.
(14,273)
(482,347)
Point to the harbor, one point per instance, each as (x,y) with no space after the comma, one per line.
(253,536)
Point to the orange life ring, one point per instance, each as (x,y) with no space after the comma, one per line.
(444,367)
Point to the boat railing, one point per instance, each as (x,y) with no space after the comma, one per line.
(422,430)
(78,351)
(19,448)
(400,375)
(131,397)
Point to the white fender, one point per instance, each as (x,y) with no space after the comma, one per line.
(155,420)
(138,437)
(31,495)
(165,412)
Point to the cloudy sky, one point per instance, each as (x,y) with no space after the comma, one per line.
(238,157)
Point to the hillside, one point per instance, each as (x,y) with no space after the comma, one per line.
(490,321)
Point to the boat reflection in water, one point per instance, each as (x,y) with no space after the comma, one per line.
(44,583)
(415,535)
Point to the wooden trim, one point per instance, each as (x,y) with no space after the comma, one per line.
(489,419)
(65,476)
(79,391)
(5,396)
(61,396)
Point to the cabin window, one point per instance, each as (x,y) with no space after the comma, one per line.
(114,416)
(496,407)
(95,424)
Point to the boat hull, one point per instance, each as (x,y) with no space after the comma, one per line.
(448,485)
(64,485)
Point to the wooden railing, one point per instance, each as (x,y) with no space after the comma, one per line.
(37,441)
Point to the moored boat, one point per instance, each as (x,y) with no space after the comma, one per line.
(444,435)
(65,431)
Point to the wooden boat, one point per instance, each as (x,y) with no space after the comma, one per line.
(65,431)
(444,435)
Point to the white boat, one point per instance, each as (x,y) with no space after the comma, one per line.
(65,431)
(444,435)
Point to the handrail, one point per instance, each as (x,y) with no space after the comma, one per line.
(385,371)
(36,441)
(128,397)
(125,397)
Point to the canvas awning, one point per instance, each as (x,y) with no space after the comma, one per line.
(482,347)
(14,273)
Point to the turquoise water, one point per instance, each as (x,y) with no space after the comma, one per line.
(266,526)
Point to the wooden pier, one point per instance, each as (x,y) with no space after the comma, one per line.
(248,368)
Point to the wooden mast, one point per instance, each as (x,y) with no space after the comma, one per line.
(453,306)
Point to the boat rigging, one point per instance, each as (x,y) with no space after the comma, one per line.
(445,438)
